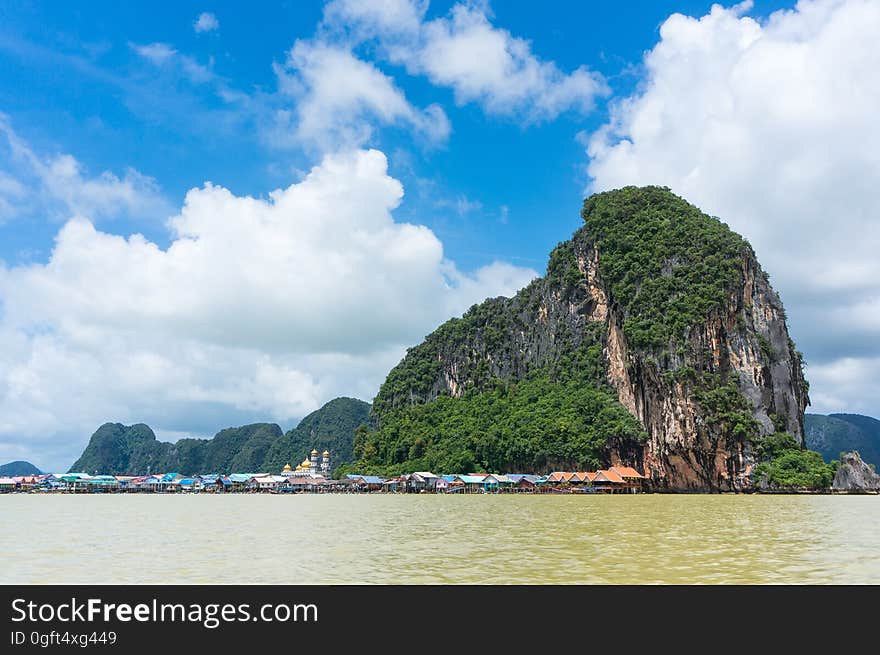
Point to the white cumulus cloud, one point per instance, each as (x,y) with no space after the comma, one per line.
(464,51)
(206,22)
(771,125)
(259,309)
(339,98)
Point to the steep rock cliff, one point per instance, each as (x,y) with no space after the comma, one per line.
(855,476)
(656,301)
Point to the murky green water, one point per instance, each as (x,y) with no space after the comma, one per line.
(440,539)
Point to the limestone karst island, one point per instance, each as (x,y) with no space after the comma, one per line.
(653,356)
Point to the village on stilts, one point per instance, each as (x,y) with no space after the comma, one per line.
(313,476)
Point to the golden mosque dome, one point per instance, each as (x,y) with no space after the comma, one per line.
(287,467)
(299,468)
(315,452)
(326,453)
(306,464)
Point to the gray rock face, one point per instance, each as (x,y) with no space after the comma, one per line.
(855,476)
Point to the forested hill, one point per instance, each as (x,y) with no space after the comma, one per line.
(118,449)
(654,339)
(18,468)
(332,428)
(837,433)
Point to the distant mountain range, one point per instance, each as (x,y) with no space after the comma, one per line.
(836,433)
(18,468)
(118,449)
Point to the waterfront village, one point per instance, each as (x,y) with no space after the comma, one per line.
(313,476)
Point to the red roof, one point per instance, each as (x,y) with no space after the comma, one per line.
(626,472)
(608,476)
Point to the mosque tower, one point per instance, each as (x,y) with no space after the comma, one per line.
(313,465)
(325,464)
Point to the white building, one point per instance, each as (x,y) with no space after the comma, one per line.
(310,467)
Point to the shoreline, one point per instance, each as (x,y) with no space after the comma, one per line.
(618,492)
(306,479)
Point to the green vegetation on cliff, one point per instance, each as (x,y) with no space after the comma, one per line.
(415,376)
(786,466)
(724,407)
(667,264)
(117,449)
(559,414)
(531,425)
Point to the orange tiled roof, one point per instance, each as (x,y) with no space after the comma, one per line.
(608,476)
(559,476)
(626,472)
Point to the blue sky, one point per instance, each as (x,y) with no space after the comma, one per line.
(72,83)
(492,120)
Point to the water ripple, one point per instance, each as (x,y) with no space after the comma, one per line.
(389,539)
